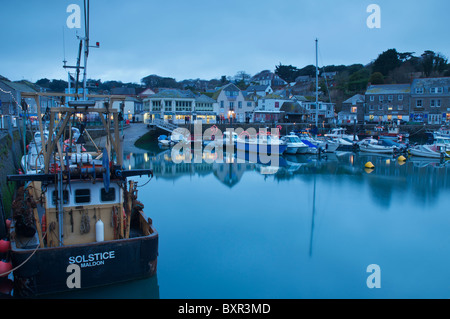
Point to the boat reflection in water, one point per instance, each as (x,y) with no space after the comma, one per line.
(425,177)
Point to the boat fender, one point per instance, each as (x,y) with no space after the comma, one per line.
(369,165)
(5,268)
(5,246)
(99,231)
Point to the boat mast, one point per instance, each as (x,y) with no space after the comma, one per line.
(86,44)
(317,87)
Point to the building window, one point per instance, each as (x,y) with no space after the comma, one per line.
(372,98)
(419,90)
(231,105)
(249,104)
(371,107)
(436,90)
(419,103)
(389,108)
(380,107)
(240,104)
(381,98)
(400,97)
(354,109)
(390,97)
(221,104)
(400,107)
(435,103)
(82,196)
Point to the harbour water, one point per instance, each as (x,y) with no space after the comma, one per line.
(308,229)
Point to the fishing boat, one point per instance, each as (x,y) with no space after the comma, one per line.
(392,133)
(80,210)
(294,144)
(261,144)
(429,151)
(443,142)
(372,145)
(78,223)
(443,131)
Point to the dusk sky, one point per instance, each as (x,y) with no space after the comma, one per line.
(207,39)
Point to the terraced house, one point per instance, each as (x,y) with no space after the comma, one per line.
(387,102)
(232,104)
(430,100)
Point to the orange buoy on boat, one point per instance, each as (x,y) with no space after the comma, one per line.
(5,246)
(5,268)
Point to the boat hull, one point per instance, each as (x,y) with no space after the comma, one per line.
(101,263)
(380,150)
(275,149)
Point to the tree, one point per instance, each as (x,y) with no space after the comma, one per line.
(376,78)
(287,72)
(158,81)
(433,62)
(386,62)
(358,80)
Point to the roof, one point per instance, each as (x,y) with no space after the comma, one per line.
(204,99)
(226,87)
(257,88)
(172,94)
(389,89)
(123,91)
(19,87)
(431,82)
(357,98)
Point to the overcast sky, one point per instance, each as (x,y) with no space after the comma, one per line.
(207,38)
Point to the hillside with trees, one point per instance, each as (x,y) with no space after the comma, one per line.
(390,67)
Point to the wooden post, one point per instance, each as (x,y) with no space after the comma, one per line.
(129,207)
(38,226)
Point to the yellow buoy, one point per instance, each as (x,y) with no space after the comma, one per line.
(369,165)
(401,158)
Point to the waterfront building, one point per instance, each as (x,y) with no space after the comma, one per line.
(232,105)
(325,112)
(206,109)
(430,100)
(352,110)
(171,105)
(387,102)
(269,109)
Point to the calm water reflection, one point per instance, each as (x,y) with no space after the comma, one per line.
(308,229)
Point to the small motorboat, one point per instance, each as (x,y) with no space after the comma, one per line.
(430,151)
(339,132)
(372,145)
(163,140)
(261,144)
(294,144)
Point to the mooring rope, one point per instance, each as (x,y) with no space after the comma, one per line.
(25,261)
